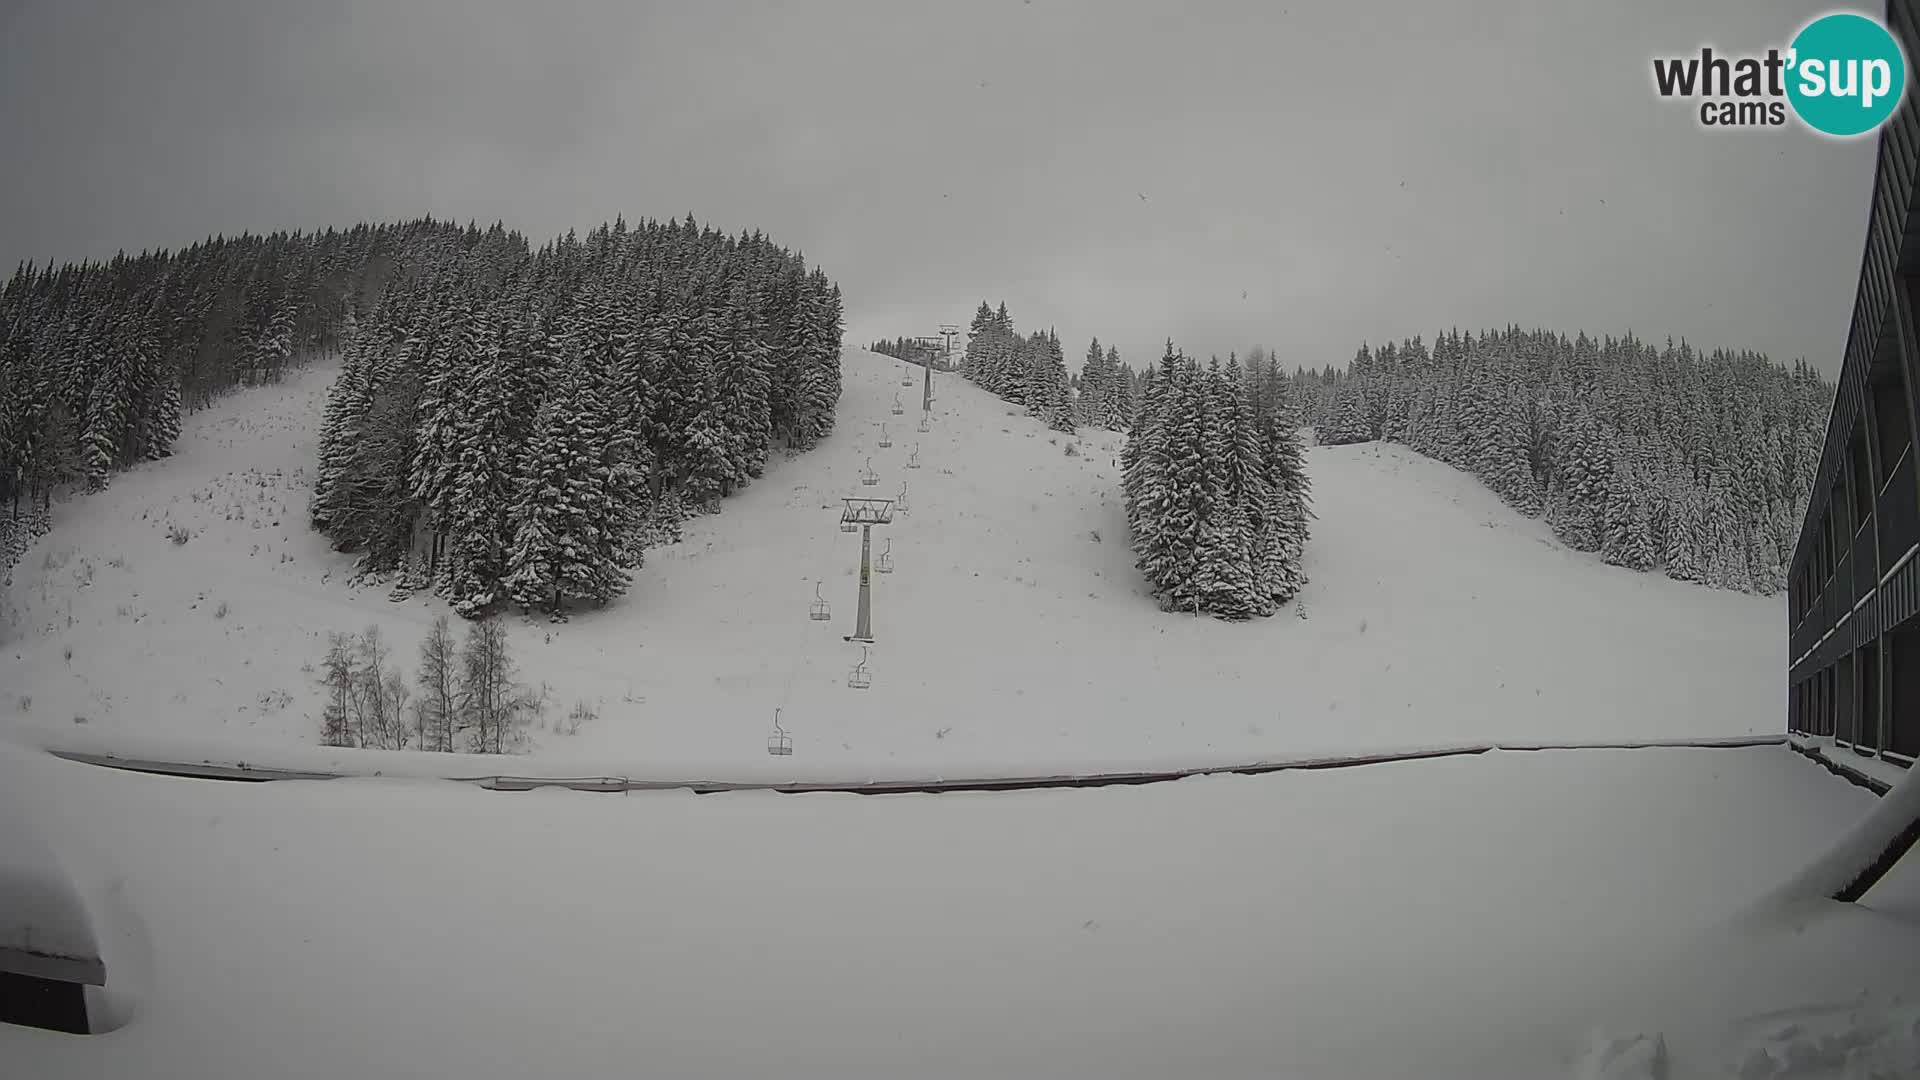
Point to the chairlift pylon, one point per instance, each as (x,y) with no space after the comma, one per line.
(779,743)
(913,459)
(818,610)
(859,678)
(886,440)
(868,477)
(884,563)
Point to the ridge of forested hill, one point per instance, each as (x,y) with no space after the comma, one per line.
(1698,465)
(509,424)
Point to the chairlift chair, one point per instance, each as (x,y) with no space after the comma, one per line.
(859,678)
(886,440)
(926,423)
(868,477)
(818,610)
(897,407)
(906,377)
(913,459)
(779,743)
(884,563)
(900,503)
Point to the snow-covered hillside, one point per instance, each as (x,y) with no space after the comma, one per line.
(189,599)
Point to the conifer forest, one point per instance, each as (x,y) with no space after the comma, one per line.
(509,425)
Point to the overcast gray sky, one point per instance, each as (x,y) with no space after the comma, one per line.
(1296,174)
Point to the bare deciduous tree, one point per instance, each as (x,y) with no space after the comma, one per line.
(337,678)
(496,708)
(438,709)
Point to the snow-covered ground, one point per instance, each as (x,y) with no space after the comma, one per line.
(1014,635)
(1489,918)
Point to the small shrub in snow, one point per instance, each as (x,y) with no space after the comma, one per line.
(179,535)
(1095,533)
(26,702)
(1073,450)
(582,713)
(67,654)
(221,611)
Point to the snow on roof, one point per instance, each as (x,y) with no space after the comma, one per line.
(44,930)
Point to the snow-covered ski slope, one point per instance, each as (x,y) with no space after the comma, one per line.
(1014,635)
(1466,919)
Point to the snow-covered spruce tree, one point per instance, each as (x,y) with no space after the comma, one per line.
(1225,563)
(1289,490)
(1348,407)
(1089,402)
(1120,397)
(1047,387)
(1146,462)
(973,361)
(820,379)
(578,496)
(1216,497)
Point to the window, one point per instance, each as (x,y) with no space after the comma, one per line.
(1867,705)
(1889,391)
(1826,546)
(1823,703)
(1903,689)
(1862,478)
(1844,714)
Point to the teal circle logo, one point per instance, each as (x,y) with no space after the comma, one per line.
(1846,74)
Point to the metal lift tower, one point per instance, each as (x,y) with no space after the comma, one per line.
(866,513)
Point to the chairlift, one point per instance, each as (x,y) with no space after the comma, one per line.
(897,407)
(884,563)
(818,610)
(913,459)
(859,678)
(926,423)
(886,440)
(900,503)
(906,377)
(868,477)
(779,743)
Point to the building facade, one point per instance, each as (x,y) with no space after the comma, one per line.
(1854,583)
